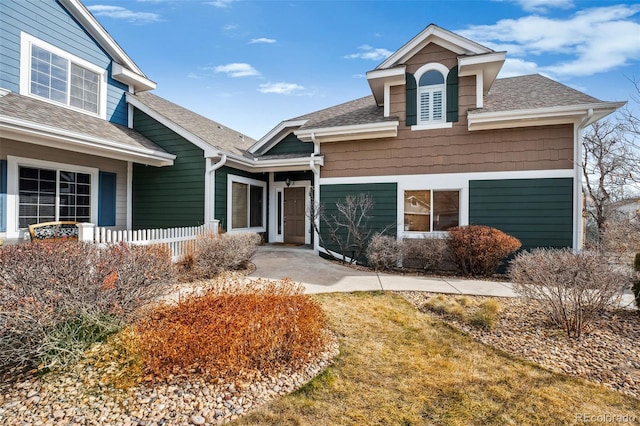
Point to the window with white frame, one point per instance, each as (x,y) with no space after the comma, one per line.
(57,76)
(46,195)
(431,97)
(429,210)
(247,203)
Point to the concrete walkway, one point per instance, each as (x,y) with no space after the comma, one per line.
(319,275)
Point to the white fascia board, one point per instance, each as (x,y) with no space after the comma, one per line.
(276,134)
(383,129)
(97,31)
(378,79)
(540,116)
(63,139)
(273,165)
(441,37)
(209,150)
(126,76)
(489,65)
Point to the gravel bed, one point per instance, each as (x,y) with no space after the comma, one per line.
(72,398)
(608,353)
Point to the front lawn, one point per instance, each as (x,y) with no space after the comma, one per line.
(399,366)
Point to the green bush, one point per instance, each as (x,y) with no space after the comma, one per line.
(478,249)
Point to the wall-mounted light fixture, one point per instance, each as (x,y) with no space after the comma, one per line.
(288,182)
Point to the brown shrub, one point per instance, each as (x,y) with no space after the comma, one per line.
(216,253)
(425,253)
(234,327)
(571,288)
(478,249)
(384,252)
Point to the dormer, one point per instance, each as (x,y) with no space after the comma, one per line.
(429,67)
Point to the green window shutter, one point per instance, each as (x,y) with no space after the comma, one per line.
(452,95)
(107,199)
(411,101)
(3,195)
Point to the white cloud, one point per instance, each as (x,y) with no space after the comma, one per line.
(591,41)
(368,52)
(229,27)
(236,70)
(262,40)
(118,12)
(281,88)
(223,4)
(514,67)
(544,5)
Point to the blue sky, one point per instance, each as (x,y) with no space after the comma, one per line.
(251,64)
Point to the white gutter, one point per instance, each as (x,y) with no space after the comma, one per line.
(577,182)
(315,167)
(209,188)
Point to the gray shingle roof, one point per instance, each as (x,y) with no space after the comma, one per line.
(44,113)
(358,111)
(211,132)
(531,92)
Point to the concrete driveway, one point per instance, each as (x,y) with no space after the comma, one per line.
(319,275)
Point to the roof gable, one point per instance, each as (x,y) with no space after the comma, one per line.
(439,36)
(124,69)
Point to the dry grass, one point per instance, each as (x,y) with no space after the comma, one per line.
(399,366)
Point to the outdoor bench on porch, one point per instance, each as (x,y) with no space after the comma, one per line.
(58,230)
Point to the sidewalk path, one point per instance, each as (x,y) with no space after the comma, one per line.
(319,275)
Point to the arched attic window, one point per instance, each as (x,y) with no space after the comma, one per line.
(431,97)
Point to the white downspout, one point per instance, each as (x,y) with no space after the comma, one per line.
(210,187)
(316,188)
(577,184)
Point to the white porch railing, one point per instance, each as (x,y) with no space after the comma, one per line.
(179,240)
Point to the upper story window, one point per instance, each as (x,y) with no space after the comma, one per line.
(431,97)
(52,74)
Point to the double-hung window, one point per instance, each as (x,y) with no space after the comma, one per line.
(429,210)
(431,98)
(54,75)
(246,204)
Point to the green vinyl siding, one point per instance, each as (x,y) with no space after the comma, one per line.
(171,196)
(539,212)
(291,145)
(221,191)
(383,214)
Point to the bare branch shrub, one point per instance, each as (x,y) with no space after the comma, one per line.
(478,249)
(384,252)
(215,253)
(349,228)
(620,239)
(234,327)
(425,253)
(44,285)
(571,288)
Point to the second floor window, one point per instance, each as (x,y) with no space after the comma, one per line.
(60,80)
(431,98)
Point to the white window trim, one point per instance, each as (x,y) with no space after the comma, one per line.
(13,165)
(239,179)
(431,124)
(26,41)
(431,233)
